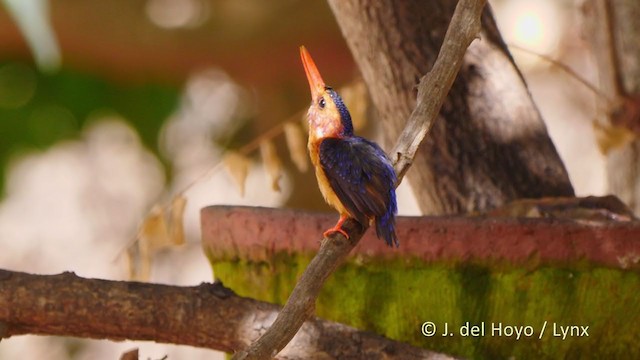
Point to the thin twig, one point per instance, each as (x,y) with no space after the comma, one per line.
(434,86)
(432,91)
(569,71)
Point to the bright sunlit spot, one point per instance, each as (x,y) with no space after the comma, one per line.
(529,29)
(174,14)
(533,25)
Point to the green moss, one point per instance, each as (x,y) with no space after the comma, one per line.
(395,298)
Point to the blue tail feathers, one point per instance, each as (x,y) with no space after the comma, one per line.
(386,224)
(386,227)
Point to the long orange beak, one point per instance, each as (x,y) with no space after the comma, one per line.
(316,84)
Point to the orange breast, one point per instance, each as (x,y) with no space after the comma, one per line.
(325,188)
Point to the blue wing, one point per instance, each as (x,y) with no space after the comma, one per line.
(362,177)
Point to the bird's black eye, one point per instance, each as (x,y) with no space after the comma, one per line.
(322,103)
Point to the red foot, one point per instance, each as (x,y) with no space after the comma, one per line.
(337,228)
(332,230)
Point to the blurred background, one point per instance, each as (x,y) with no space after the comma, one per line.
(108,108)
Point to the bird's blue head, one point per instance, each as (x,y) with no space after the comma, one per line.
(343,112)
(328,116)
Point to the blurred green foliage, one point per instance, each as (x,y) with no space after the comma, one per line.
(38,109)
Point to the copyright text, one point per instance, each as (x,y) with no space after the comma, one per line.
(499,329)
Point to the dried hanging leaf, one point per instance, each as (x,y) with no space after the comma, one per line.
(356,98)
(609,137)
(272,163)
(153,234)
(154,230)
(238,167)
(304,122)
(296,143)
(176,223)
(158,230)
(130,355)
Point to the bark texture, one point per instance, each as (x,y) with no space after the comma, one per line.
(490,145)
(208,315)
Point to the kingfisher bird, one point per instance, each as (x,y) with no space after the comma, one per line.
(354,174)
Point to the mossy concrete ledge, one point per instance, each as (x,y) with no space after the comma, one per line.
(511,278)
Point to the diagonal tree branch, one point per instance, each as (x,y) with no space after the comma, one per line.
(208,315)
(432,90)
(434,86)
